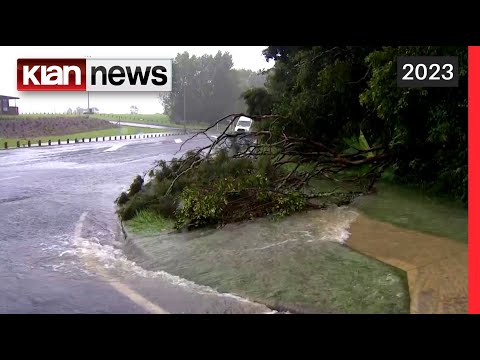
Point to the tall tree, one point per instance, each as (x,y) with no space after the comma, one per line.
(203,89)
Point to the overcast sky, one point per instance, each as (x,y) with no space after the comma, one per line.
(246,57)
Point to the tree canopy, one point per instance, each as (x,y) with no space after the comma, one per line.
(331,94)
(207,87)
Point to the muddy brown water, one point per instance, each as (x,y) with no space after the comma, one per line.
(437,267)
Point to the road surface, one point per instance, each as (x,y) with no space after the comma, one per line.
(58,248)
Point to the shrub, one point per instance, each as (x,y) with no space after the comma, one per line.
(136,186)
(122,199)
(286,204)
(134,204)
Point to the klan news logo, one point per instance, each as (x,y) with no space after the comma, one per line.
(94,74)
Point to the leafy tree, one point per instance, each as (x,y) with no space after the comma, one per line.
(333,94)
(430,124)
(204,88)
(317,90)
(258,101)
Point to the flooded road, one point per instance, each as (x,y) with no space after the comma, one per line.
(58,250)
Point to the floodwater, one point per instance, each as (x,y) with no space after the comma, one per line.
(59,249)
(300,263)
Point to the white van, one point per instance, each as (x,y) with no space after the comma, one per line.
(243,124)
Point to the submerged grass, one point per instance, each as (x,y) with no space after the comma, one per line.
(283,264)
(414,209)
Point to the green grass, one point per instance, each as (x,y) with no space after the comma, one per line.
(154,119)
(147,119)
(414,209)
(122,130)
(151,119)
(147,222)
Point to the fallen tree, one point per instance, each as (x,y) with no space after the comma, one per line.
(239,176)
(363,161)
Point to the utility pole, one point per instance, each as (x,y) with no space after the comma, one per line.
(184,105)
(88,97)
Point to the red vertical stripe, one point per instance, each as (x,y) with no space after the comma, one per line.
(473,179)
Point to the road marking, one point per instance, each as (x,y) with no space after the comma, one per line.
(178,141)
(137,298)
(117,285)
(11,177)
(115,147)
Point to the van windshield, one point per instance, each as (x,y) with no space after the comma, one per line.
(244,123)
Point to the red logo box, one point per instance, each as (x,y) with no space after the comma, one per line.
(51,74)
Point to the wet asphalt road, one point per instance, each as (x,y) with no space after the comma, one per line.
(58,249)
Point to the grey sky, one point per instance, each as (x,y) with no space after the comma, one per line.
(246,57)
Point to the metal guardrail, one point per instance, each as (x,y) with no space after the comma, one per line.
(89,140)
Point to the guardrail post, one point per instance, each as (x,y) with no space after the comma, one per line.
(89,139)
(18,143)
(109,138)
(76,140)
(83,139)
(29,143)
(39,142)
(115,138)
(6,145)
(96,139)
(68,141)
(59,142)
(130,137)
(49,142)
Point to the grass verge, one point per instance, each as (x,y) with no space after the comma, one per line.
(413,209)
(150,119)
(115,131)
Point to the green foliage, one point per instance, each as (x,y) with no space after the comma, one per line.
(122,199)
(429,124)
(258,101)
(217,190)
(330,94)
(209,86)
(316,89)
(200,208)
(286,204)
(134,204)
(149,222)
(136,185)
